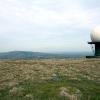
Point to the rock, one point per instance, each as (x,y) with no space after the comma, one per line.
(70,93)
(64,92)
(30,96)
(17,91)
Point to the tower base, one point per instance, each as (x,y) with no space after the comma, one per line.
(92,56)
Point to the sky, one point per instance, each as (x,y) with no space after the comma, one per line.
(47,25)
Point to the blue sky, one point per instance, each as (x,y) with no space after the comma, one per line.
(47,25)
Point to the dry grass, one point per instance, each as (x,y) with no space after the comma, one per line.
(15,72)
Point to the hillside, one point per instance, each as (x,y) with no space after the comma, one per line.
(50,79)
(22,55)
(39,55)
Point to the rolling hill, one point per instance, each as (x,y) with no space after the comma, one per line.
(38,55)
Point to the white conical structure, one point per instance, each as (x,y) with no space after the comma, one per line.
(95,34)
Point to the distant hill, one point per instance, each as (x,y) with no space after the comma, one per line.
(22,55)
(37,55)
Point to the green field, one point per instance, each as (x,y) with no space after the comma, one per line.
(50,79)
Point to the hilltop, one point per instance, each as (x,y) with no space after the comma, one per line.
(50,79)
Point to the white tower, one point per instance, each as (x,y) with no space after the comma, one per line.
(95,37)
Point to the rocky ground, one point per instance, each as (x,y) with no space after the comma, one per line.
(50,79)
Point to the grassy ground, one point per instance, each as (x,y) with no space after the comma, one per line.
(50,79)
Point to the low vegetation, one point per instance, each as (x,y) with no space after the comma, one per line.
(50,79)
